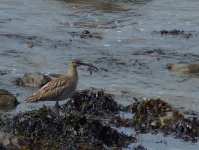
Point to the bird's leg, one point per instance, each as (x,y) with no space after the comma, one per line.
(57,104)
(57,109)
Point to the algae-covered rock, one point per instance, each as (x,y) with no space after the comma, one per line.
(189,68)
(156,115)
(175,32)
(7,99)
(93,101)
(33,80)
(43,130)
(79,125)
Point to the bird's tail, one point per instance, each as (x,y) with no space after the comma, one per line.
(30,99)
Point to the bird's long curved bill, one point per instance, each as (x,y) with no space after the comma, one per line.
(89,65)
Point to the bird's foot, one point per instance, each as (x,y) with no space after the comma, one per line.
(57,110)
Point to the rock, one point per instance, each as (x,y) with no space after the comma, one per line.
(74,130)
(92,101)
(86,35)
(175,32)
(12,142)
(30,44)
(33,79)
(189,68)
(7,99)
(80,126)
(2,73)
(156,115)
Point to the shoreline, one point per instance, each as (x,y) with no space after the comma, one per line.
(89,108)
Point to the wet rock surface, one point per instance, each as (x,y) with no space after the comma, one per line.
(80,124)
(155,115)
(33,80)
(7,100)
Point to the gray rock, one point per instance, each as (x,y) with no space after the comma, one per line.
(189,68)
(7,99)
(33,80)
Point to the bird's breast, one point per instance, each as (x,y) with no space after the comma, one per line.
(69,89)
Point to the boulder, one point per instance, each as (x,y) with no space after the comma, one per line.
(7,99)
(189,68)
(33,80)
(12,142)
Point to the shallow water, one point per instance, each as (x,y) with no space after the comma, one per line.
(158,141)
(127,30)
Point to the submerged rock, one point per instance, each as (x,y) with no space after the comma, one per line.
(33,79)
(86,35)
(189,68)
(175,32)
(150,52)
(7,99)
(3,73)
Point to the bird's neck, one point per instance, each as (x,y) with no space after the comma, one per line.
(72,71)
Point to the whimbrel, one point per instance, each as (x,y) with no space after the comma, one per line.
(61,88)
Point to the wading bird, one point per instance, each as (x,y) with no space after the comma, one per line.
(61,88)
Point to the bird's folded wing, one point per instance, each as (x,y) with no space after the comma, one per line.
(49,91)
(56,83)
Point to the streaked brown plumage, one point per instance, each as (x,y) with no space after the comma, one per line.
(60,88)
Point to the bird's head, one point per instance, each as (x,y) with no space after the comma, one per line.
(75,63)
